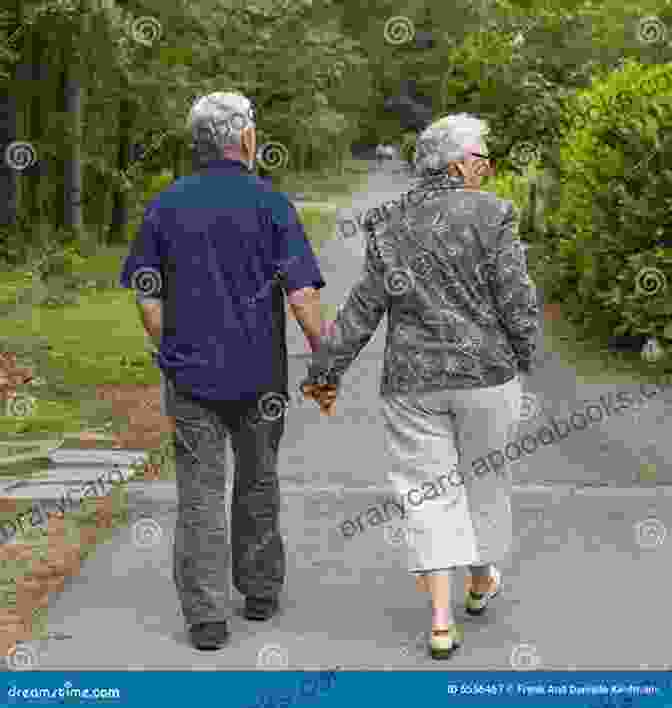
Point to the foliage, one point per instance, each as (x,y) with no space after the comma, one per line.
(615,206)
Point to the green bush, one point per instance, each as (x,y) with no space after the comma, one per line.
(154,184)
(616,192)
(319,222)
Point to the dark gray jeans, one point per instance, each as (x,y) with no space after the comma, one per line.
(203,557)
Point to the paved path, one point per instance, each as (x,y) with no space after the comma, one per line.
(574,587)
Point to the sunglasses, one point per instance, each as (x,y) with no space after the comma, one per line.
(493,160)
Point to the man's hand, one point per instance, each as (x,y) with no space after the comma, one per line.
(324,394)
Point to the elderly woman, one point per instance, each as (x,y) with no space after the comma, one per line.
(446,264)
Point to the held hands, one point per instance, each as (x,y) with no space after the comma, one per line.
(324,394)
(324,390)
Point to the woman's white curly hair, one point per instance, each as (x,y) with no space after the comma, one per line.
(446,140)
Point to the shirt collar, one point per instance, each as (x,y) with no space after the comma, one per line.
(225,164)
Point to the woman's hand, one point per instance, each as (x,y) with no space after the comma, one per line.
(324,394)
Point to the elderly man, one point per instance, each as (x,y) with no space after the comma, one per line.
(447,267)
(214,253)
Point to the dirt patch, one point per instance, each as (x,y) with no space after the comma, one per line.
(139,405)
(12,375)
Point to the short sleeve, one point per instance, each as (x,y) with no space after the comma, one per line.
(143,268)
(293,255)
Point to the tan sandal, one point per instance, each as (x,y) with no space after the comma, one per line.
(476,603)
(444,642)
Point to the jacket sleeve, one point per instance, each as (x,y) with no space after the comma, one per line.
(356,322)
(515,292)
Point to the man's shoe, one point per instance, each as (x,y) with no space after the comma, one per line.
(209,636)
(261,609)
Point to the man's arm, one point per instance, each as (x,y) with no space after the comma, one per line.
(305,306)
(150,313)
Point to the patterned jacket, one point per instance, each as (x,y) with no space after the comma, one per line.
(448,268)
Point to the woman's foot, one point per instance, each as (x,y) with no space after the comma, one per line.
(444,641)
(480,590)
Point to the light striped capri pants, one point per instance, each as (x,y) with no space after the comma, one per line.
(439,444)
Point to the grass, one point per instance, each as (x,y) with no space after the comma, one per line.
(100,340)
(74,522)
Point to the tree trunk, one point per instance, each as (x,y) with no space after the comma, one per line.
(532,207)
(33,130)
(119,218)
(72,176)
(8,175)
(9,105)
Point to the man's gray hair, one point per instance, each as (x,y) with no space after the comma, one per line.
(447,140)
(218,120)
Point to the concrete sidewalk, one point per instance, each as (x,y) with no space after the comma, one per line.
(575,593)
(578,587)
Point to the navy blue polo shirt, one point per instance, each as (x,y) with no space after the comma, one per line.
(220,247)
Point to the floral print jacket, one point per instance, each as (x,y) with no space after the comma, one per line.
(448,268)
